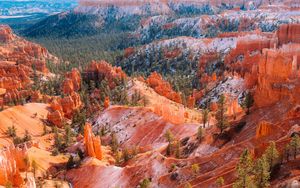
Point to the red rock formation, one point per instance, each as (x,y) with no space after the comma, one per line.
(171,54)
(17,59)
(72,82)
(128,52)
(11,162)
(288,33)
(263,129)
(278,75)
(92,143)
(102,70)
(56,118)
(106,102)
(6,34)
(247,52)
(63,108)
(163,87)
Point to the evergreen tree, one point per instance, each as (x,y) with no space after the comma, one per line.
(295,144)
(248,102)
(126,155)
(177,150)
(68,135)
(145,183)
(70,164)
(271,154)
(170,138)
(262,172)
(195,168)
(221,118)
(200,133)
(27,136)
(244,171)
(220,181)
(187,185)
(11,131)
(205,113)
(114,142)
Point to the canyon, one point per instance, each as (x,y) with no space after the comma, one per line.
(179,108)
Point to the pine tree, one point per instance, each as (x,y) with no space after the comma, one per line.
(27,136)
(220,181)
(114,142)
(262,172)
(200,133)
(205,113)
(244,171)
(68,135)
(177,150)
(11,131)
(70,164)
(195,168)
(295,144)
(271,154)
(170,138)
(248,102)
(221,118)
(57,139)
(145,183)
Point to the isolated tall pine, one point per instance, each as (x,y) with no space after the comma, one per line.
(272,154)
(248,102)
(295,144)
(205,113)
(221,118)
(244,171)
(262,172)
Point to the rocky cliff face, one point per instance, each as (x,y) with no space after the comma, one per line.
(72,82)
(63,108)
(278,75)
(19,61)
(12,161)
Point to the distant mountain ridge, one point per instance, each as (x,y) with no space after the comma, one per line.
(23,13)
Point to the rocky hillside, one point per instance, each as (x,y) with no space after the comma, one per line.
(204,94)
(156,19)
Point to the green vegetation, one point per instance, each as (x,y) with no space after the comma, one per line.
(272,155)
(244,171)
(248,102)
(145,183)
(256,173)
(295,145)
(195,168)
(170,138)
(220,181)
(200,133)
(221,118)
(11,131)
(205,114)
(262,172)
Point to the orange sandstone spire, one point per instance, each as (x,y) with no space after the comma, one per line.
(92,143)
